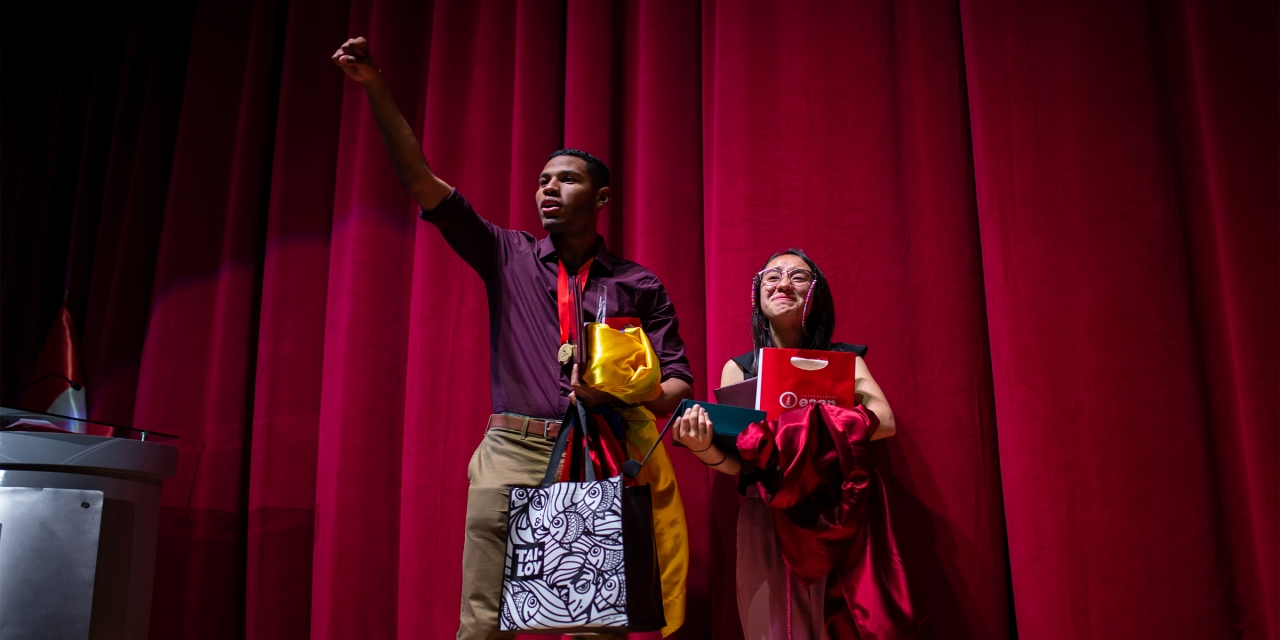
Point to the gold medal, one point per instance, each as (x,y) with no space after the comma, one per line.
(565,353)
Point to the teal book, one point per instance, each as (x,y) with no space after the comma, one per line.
(726,421)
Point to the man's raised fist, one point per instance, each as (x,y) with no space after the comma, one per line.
(354,58)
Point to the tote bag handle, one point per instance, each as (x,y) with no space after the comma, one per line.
(575,417)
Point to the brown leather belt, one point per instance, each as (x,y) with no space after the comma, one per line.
(525,426)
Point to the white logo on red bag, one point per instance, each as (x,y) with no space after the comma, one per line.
(788,400)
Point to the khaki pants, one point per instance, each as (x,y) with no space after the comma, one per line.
(503,459)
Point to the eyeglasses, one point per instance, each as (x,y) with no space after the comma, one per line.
(800,278)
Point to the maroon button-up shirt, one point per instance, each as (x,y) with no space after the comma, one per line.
(519,273)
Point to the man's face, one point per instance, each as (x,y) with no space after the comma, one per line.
(567,201)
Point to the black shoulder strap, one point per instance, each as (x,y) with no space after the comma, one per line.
(845,347)
(746,362)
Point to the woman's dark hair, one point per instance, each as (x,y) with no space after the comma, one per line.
(821,323)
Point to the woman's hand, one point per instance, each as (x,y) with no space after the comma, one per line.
(693,429)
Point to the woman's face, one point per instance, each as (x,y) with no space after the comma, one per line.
(785,300)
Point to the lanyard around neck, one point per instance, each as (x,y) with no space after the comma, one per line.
(567,315)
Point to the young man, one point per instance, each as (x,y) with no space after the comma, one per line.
(531,380)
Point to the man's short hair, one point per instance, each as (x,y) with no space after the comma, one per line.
(595,167)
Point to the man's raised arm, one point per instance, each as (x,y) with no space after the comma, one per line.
(406,152)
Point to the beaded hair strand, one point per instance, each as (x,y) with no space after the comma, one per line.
(804,312)
(755,301)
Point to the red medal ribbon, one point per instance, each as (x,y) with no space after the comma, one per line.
(562,297)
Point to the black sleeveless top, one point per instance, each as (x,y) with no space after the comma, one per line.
(747,361)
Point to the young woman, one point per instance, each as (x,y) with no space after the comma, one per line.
(792,308)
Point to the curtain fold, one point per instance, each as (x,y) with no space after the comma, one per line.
(363,391)
(1103,137)
(1055,226)
(197,363)
(283,456)
(1224,156)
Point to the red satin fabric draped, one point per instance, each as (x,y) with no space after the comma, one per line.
(833,516)
(1055,225)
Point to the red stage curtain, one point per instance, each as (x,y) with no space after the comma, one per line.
(1126,166)
(1056,226)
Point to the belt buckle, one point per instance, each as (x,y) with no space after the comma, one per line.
(546,428)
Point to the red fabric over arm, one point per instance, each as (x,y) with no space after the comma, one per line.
(832,513)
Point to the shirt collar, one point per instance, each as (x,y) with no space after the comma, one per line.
(606,260)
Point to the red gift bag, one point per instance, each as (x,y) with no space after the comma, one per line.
(796,378)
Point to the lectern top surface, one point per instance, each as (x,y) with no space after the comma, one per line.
(21,420)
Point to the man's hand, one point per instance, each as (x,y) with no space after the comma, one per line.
(354,58)
(589,397)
